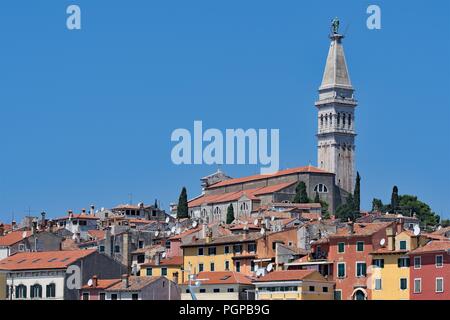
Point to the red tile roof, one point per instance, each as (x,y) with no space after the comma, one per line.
(78,216)
(223,277)
(102,284)
(285,275)
(442,231)
(135,283)
(306,169)
(361,229)
(433,246)
(97,234)
(43,260)
(13,237)
(233,196)
(172,261)
(186,233)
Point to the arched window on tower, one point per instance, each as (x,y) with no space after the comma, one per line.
(217,214)
(343,120)
(349,120)
(321,121)
(326,120)
(331,120)
(338,119)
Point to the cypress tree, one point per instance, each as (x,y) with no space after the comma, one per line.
(301,196)
(182,209)
(230,214)
(394,199)
(357,193)
(317,198)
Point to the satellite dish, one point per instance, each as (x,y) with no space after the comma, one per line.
(167,220)
(272,218)
(24,234)
(178,231)
(320,218)
(156,233)
(269,267)
(102,209)
(168,233)
(172,230)
(90,283)
(263,231)
(194,224)
(416,230)
(163,255)
(255,222)
(382,242)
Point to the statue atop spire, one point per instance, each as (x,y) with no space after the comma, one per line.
(335,25)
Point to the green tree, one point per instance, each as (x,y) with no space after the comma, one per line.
(301,196)
(317,198)
(347,210)
(394,199)
(445,223)
(230,214)
(182,209)
(357,193)
(325,206)
(377,204)
(409,205)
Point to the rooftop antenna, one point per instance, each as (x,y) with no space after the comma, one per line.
(130,195)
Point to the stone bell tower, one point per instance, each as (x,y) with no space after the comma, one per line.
(336,116)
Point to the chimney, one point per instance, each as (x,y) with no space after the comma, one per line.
(92,211)
(2,230)
(33,227)
(43,218)
(175,277)
(157,259)
(350,227)
(125,281)
(83,211)
(126,250)
(391,238)
(108,244)
(399,225)
(94,281)
(70,214)
(204,231)
(13,225)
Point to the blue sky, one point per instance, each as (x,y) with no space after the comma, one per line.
(86,116)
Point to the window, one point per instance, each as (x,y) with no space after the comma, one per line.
(360,269)
(36,291)
(312,288)
(200,267)
(164,272)
(360,246)
(141,244)
(50,290)
(114,296)
(321,188)
(212,251)
(417,262)
(141,258)
(403,245)
(403,262)
(21,247)
(341,247)
(102,296)
(237,248)
(230,290)
(117,249)
(134,296)
(101,248)
(202,290)
(439,284)
(216,290)
(378,284)
(85,296)
(252,247)
(337,295)
(417,285)
(227,250)
(167,245)
(149,271)
(325,289)
(227,265)
(238,266)
(252,266)
(341,270)
(21,292)
(439,261)
(379,263)
(403,283)
(211,266)
(200,251)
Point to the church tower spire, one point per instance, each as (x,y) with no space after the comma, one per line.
(336,116)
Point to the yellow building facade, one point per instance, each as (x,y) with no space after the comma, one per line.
(171,268)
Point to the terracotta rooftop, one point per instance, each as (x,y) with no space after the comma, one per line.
(361,229)
(135,283)
(306,169)
(223,277)
(172,261)
(285,275)
(442,231)
(78,216)
(237,238)
(13,237)
(102,284)
(433,246)
(43,260)
(186,233)
(97,234)
(298,205)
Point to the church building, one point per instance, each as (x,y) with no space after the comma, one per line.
(333,178)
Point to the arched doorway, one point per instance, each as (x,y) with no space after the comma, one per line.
(359,294)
